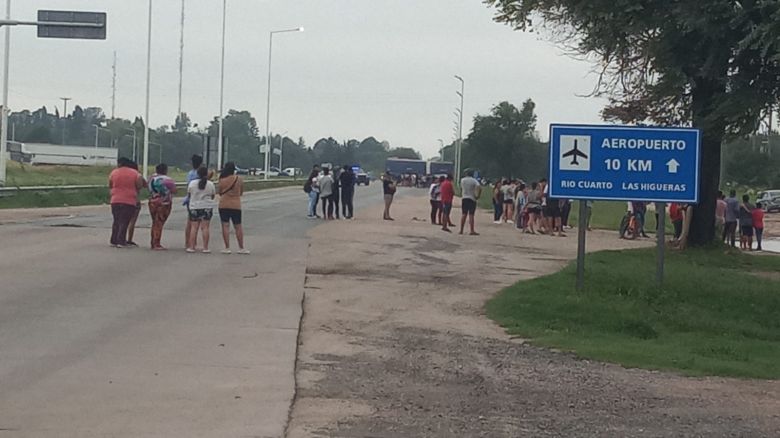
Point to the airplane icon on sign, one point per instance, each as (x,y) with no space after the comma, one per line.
(575,154)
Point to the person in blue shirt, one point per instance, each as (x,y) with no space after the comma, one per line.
(192,175)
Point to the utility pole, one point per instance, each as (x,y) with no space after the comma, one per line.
(4,116)
(181,57)
(113,89)
(64,116)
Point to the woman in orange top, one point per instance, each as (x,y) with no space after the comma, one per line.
(230,189)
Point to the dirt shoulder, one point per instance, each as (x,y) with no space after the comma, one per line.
(395,343)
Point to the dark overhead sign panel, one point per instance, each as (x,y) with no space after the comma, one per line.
(72,25)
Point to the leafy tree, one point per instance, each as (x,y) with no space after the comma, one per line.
(406,153)
(710,64)
(502,144)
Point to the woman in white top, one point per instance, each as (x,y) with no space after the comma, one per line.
(201,208)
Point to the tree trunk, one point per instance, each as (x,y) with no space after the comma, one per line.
(703,224)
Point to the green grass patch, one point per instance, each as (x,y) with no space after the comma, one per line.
(72,198)
(25,175)
(714,316)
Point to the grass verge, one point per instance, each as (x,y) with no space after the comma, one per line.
(72,198)
(716,315)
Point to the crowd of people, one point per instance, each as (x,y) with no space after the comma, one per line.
(731,216)
(203,197)
(332,189)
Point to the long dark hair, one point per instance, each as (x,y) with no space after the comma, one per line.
(228,170)
(203,174)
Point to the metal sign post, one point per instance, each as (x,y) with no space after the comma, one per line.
(51,24)
(581,238)
(623,163)
(660,208)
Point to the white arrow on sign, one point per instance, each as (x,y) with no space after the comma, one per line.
(673,165)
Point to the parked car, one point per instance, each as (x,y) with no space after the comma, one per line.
(242,171)
(770,200)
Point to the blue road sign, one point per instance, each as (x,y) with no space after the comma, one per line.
(621,163)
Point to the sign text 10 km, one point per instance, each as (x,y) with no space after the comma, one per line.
(621,163)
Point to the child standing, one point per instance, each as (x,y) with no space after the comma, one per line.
(758,224)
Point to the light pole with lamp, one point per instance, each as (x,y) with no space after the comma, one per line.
(98,128)
(148,92)
(458,152)
(281,150)
(441,149)
(220,141)
(134,142)
(268,148)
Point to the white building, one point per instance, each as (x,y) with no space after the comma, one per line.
(41,153)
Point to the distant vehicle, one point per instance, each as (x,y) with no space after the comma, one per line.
(273,172)
(363,178)
(242,171)
(293,171)
(402,166)
(441,168)
(770,200)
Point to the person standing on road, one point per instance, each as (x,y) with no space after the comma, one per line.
(732,213)
(758,224)
(471,192)
(676,216)
(326,194)
(124,183)
(231,188)
(388,188)
(534,207)
(447,197)
(498,202)
(521,216)
(508,192)
(434,194)
(192,175)
(161,191)
(201,193)
(746,224)
(312,188)
(131,226)
(347,183)
(720,214)
(336,197)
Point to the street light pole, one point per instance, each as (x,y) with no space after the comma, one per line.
(64,116)
(148,91)
(4,117)
(134,142)
(441,150)
(458,152)
(268,148)
(220,144)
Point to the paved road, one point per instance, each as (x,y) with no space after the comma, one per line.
(102,342)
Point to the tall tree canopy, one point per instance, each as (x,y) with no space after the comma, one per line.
(711,64)
(503,144)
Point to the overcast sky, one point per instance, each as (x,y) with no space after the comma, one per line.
(362,67)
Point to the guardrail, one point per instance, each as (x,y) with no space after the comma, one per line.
(102,186)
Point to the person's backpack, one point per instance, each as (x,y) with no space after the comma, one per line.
(307,186)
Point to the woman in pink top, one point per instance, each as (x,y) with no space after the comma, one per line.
(124,182)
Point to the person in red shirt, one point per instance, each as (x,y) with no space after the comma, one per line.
(124,182)
(676,216)
(447,196)
(758,224)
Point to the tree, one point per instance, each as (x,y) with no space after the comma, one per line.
(710,64)
(406,153)
(502,144)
